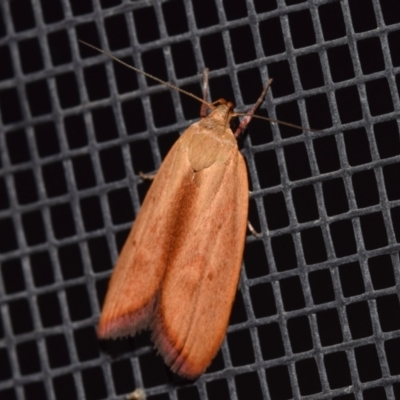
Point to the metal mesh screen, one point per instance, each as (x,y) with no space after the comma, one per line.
(317,315)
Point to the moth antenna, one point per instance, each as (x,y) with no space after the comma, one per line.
(184,91)
(145,73)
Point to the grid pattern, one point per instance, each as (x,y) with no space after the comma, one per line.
(317,315)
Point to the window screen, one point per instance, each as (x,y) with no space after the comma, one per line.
(317,313)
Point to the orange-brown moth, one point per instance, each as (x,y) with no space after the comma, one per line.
(178,271)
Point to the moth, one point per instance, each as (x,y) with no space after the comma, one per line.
(179,268)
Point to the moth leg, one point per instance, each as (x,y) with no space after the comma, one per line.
(253,231)
(249,115)
(204,107)
(149,177)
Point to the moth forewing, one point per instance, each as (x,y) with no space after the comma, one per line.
(179,268)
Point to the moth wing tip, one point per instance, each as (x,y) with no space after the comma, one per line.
(181,364)
(114,324)
(119,327)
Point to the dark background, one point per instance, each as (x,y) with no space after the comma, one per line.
(317,315)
